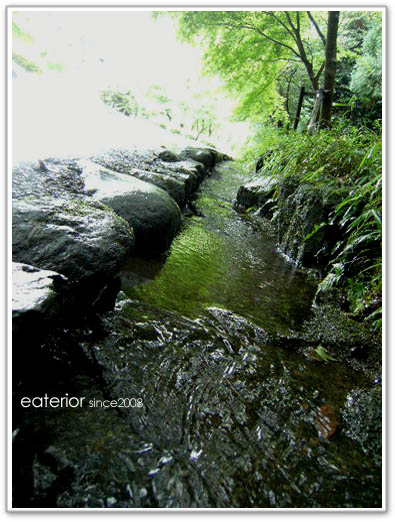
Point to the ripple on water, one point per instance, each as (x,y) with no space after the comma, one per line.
(220,259)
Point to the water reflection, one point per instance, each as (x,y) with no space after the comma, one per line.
(222,259)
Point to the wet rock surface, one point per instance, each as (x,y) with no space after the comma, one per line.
(362,418)
(152,214)
(54,177)
(38,298)
(179,177)
(299,215)
(346,339)
(68,213)
(258,192)
(82,240)
(33,290)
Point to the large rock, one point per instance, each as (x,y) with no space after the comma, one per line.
(83,240)
(33,292)
(174,187)
(179,177)
(344,337)
(300,211)
(305,232)
(206,156)
(153,214)
(258,192)
(52,177)
(38,304)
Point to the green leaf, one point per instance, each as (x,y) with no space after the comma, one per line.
(323,354)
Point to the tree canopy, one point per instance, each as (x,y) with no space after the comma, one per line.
(264,56)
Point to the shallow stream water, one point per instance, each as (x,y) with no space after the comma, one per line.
(222,259)
(231,416)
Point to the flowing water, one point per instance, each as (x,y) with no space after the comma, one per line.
(222,260)
(230,415)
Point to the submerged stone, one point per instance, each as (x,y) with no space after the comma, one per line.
(362,419)
(326,421)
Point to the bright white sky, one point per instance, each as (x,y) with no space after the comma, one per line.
(124,48)
(60,113)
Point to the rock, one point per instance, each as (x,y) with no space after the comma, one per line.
(205,156)
(39,300)
(174,187)
(303,230)
(345,338)
(361,417)
(168,155)
(258,192)
(189,173)
(154,216)
(83,240)
(179,178)
(48,177)
(33,291)
(301,210)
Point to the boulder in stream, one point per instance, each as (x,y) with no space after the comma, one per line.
(179,177)
(33,292)
(83,240)
(202,155)
(258,192)
(154,216)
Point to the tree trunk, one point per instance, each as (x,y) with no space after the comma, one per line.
(315,116)
(330,69)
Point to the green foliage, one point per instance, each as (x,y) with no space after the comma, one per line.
(27,64)
(124,102)
(19,33)
(24,53)
(265,56)
(193,116)
(322,354)
(249,49)
(367,76)
(346,161)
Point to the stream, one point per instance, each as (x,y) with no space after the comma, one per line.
(230,415)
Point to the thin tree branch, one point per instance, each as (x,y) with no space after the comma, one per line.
(320,33)
(319,72)
(283,25)
(259,31)
(291,23)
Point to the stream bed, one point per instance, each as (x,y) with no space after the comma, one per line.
(213,408)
